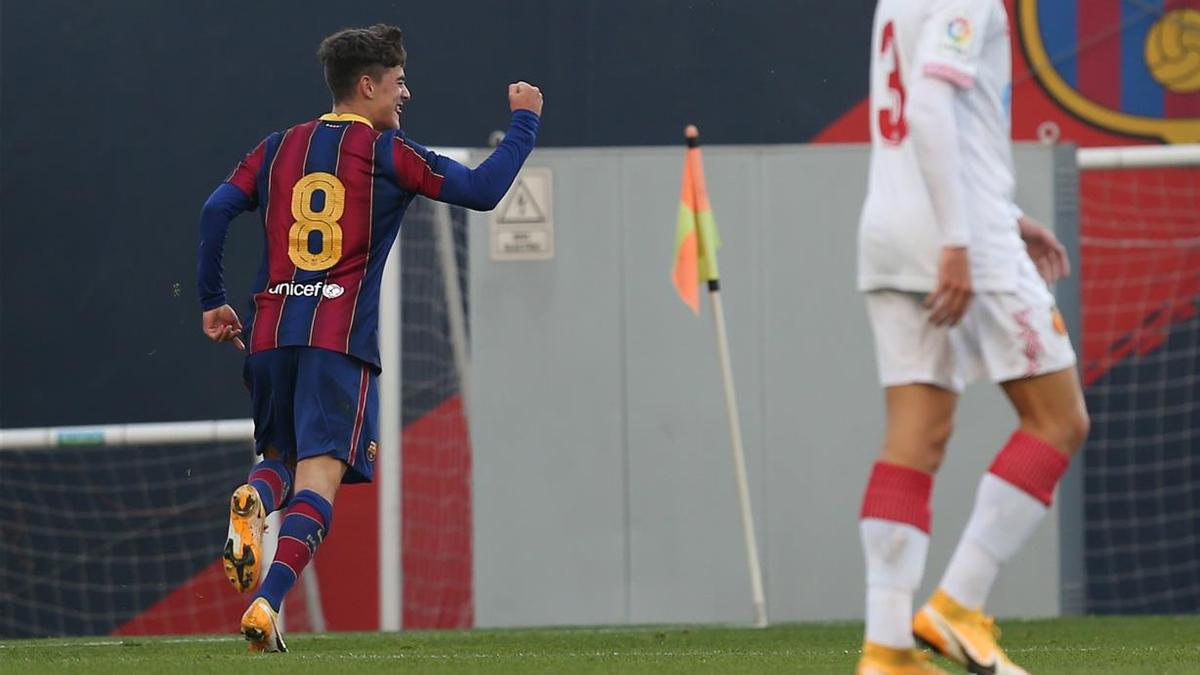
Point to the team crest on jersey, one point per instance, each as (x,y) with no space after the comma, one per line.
(1140,75)
(372,450)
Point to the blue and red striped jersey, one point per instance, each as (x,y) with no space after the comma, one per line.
(331,194)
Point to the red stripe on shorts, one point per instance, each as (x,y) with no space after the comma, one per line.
(356,435)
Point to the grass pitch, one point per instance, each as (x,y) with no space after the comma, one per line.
(1141,645)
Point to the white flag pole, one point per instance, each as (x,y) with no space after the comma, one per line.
(739,457)
(694,171)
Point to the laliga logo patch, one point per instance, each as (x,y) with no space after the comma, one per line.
(957,40)
(332,291)
(372,450)
(959,31)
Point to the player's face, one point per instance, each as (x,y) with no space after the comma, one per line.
(391,93)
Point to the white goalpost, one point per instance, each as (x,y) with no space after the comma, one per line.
(211,431)
(1138,157)
(391,400)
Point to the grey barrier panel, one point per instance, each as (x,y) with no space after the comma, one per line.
(604,488)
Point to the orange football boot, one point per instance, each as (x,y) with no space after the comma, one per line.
(965,636)
(243,547)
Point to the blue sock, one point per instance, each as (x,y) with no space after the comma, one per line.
(273,480)
(304,528)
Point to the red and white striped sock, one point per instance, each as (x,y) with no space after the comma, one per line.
(1013,497)
(894,526)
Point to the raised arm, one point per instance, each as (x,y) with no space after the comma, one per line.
(427,173)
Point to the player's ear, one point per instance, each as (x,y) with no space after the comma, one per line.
(366,86)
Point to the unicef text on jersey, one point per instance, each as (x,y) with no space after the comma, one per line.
(308,290)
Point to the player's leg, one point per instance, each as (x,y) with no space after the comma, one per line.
(270,378)
(271,480)
(1015,493)
(916,366)
(1011,501)
(1051,408)
(336,408)
(305,525)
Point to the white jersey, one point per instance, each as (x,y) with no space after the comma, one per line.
(964,42)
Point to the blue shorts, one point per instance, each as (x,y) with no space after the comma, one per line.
(310,402)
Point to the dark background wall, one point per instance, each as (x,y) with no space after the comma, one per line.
(118,118)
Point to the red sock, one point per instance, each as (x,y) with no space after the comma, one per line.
(1031,464)
(898,494)
(894,527)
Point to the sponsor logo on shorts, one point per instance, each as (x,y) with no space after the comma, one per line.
(312,290)
(372,450)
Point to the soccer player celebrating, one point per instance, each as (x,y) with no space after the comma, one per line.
(331,193)
(950,269)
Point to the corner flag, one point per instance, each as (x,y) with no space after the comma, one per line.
(696,243)
(696,237)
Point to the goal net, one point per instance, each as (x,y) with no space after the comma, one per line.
(96,536)
(1140,298)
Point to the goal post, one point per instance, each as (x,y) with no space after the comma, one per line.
(432,308)
(1138,157)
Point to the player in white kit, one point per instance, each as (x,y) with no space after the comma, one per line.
(955,282)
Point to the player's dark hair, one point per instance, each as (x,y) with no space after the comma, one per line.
(352,52)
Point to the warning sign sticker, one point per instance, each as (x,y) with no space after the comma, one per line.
(522,224)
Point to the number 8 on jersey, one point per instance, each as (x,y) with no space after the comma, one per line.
(322,219)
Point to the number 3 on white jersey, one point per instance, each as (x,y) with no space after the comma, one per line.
(892,126)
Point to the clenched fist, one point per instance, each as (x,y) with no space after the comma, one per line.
(525,96)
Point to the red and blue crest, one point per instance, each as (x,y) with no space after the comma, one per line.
(1130,66)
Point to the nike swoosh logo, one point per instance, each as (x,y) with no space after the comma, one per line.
(972,665)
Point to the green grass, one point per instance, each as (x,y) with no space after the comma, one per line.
(1141,645)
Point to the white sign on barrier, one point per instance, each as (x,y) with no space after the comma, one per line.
(522,224)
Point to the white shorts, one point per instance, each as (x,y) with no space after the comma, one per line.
(1004,335)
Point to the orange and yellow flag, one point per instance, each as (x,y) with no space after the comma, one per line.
(696,237)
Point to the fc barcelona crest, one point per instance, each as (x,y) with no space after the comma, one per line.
(372,450)
(1129,67)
